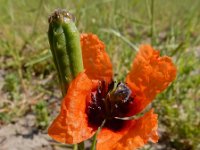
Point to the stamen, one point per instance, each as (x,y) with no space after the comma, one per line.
(107,103)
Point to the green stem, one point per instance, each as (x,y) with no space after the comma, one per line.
(81,146)
(75,147)
(64,40)
(94,139)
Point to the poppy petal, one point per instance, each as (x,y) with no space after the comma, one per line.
(139,132)
(135,134)
(150,74)
(107,138)
(71,125)
(96,61)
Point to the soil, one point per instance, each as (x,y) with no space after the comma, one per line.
(23,135)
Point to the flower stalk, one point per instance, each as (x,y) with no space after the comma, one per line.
(64,40)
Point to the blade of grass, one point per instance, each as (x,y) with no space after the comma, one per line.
(38,59)
(118,34)
(150,10)
(136,21)
(152,23)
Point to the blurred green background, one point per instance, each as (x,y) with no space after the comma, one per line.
(28,80)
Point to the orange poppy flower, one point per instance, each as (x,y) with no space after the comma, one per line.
(93,97)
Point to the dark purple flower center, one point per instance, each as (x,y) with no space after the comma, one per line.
(107,103)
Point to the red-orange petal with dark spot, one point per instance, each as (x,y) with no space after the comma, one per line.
(107,138)
(150,74)
(134,135)
(71,125)
(96,61)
